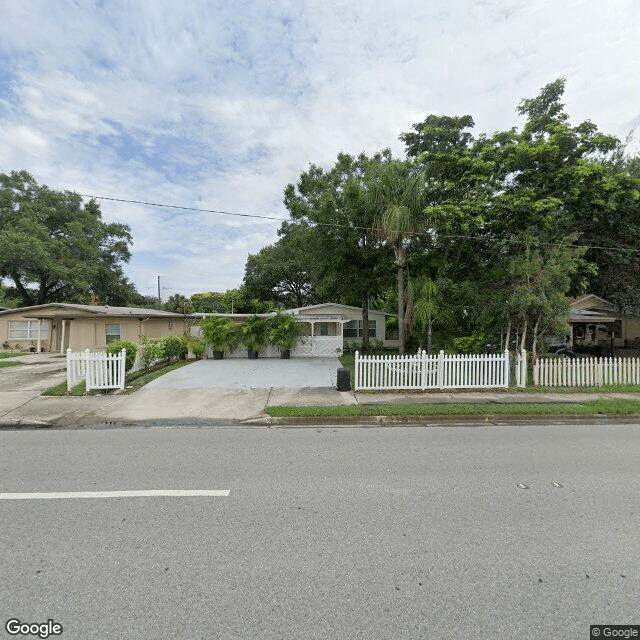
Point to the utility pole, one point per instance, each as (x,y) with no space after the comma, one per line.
(159,298)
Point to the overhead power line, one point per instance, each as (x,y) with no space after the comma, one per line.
(337,225)
(175,206)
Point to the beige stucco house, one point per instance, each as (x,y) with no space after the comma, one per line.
(58,326)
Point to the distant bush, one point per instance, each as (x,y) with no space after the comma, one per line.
(131,348)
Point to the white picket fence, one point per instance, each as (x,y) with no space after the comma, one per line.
(100,370)
(422,371)
(585,372)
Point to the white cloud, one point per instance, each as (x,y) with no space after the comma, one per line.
(220,105)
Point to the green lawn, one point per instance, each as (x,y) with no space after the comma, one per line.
(12,354)
(605,406)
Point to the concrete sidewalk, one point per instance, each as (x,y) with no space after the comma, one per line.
(230,406)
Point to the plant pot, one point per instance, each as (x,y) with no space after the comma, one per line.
(286,354)
(253,355)
(218,355)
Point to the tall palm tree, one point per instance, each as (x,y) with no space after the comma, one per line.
(396,192)
(430,308)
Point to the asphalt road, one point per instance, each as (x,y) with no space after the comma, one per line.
(395,533)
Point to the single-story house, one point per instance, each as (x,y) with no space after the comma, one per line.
(327,329)
(326,319)
(58,326)
(595,323)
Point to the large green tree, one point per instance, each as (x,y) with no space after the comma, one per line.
(54,247)
(350,264)
(282,272)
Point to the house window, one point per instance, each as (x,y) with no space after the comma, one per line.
(353,329)
(28,330)
(112,332)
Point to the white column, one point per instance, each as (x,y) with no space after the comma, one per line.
(39,335)
(64,322)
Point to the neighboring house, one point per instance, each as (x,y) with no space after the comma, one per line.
(594,323)
(328,327)
(327,318)
(58,326)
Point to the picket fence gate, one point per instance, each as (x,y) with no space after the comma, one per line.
(422,371)
(585,372)
(100,370)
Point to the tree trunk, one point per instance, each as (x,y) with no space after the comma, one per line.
(524,335)
(429,333)
(534,346)
(22,291)
(401,309)
(365,322)
(508,336)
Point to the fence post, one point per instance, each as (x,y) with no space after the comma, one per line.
(357,377)
(68,370)
(440,370)
(89,372)
(505,369)
(423,369)
(523,369)
(122,370)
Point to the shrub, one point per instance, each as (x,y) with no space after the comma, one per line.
(131,348)
(284,330)
(173,347)
(152,351)
(197,347)
(219,333)
(253,332)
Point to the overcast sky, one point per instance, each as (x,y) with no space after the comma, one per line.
(219,105)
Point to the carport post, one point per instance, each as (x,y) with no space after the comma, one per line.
(64,322)
(39,334)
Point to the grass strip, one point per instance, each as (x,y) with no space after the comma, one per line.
(12,354)
(134,381)
(61,390)
(605,406)
(138,379)
(9,363)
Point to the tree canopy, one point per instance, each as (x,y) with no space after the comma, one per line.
(55,247)
(513,223)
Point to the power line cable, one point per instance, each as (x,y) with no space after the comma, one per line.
(353,227)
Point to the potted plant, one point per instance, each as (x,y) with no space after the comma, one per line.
(218,333)
(284,331)
(253,334)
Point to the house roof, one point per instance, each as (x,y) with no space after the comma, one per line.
(61,309)
(592,301)
(336,305)
(592,309)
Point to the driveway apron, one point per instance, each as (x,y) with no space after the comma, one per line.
(228,389)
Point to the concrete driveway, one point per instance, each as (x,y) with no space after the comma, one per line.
(26,381)
(241,373)
(230,389)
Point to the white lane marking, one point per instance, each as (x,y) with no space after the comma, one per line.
(171,493)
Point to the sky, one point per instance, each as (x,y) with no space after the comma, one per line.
(219,105)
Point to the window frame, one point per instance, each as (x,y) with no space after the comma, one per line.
(112,337)
(31,329)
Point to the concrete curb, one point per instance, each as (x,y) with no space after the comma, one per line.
(364,422)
